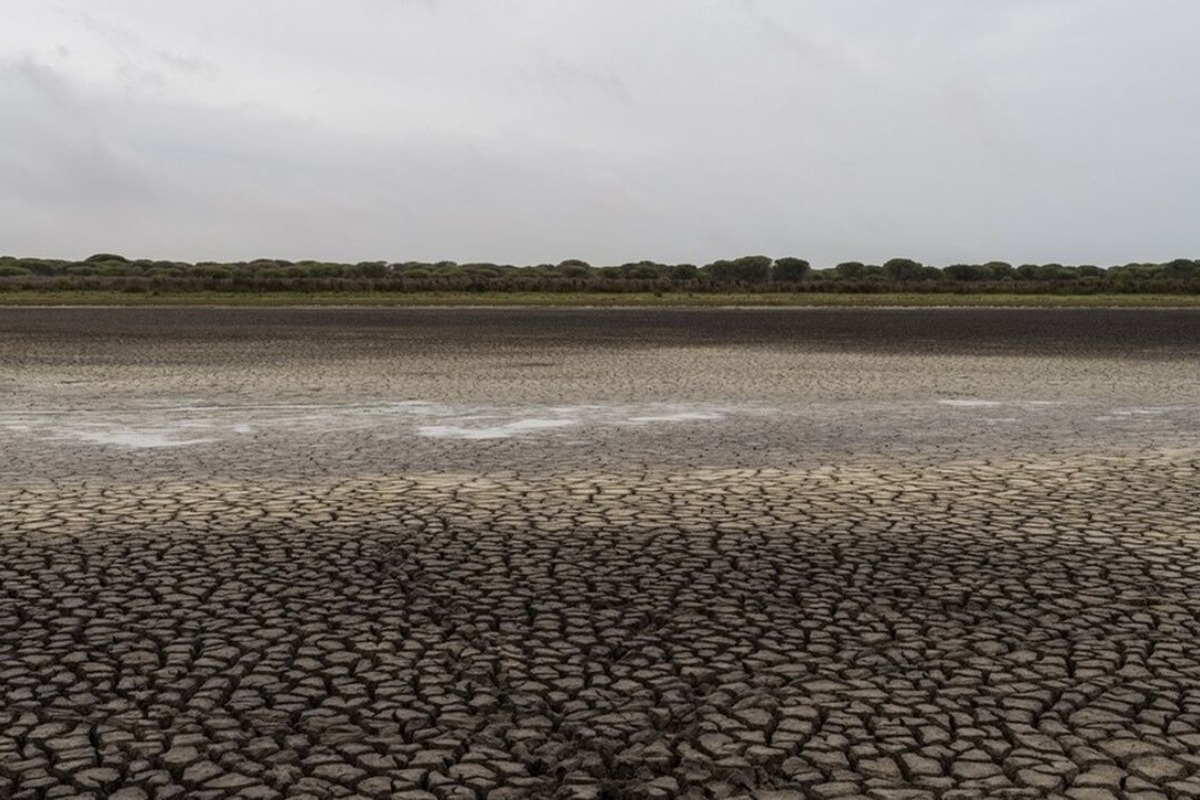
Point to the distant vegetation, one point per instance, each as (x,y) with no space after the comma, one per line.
(749,274)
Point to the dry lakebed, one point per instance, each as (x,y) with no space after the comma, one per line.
(599,553)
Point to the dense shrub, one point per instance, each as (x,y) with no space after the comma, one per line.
(745,274)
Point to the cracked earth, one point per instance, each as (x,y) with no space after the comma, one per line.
(599,554)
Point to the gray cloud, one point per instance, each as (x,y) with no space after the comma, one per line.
(1057,130)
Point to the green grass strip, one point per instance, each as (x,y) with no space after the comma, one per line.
(591,299)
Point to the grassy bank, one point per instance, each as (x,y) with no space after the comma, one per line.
(565,299)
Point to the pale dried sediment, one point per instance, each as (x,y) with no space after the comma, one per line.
(109,358)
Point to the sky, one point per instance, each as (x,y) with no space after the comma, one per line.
(532,131)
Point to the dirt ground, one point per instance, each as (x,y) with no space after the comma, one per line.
(493,553)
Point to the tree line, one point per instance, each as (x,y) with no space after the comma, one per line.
(756,273)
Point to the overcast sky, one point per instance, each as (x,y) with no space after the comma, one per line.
(530,131)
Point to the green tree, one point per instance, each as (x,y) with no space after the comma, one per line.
(371,269)
(1052,272)
(790,270)
(684,272)
(720,271)
(747,269)
(1181,269)
(967,272)
(1028,272)
(903,269)
(1000,270)
(574,268)
(850,270)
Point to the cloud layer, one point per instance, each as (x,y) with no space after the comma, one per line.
(531,131)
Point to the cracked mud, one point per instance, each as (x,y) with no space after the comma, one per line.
(767,565)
